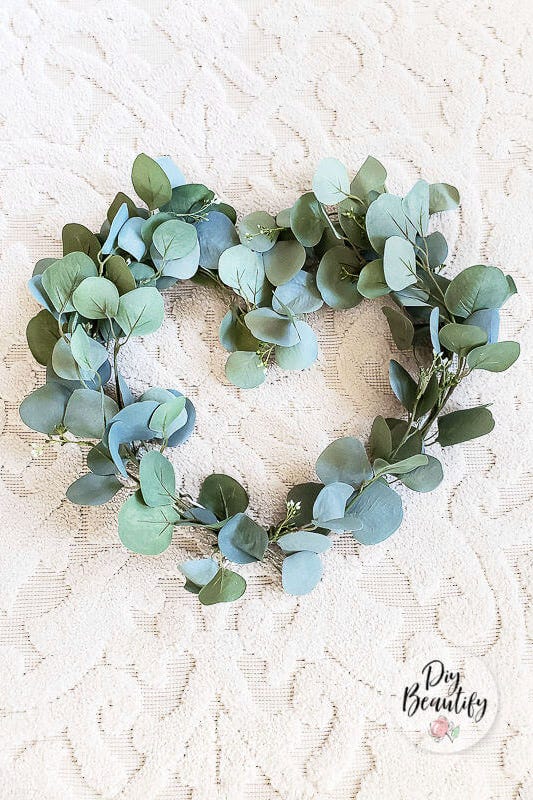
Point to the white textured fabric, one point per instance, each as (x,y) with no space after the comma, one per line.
(115,683)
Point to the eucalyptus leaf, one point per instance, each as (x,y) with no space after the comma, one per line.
(399,263)
(118,272)
(302,354)
(283,261)
(442,197)
(382,467)
(157,479)
(216,234)
(258,231)
(495,357)
(93,490)
(120,218)
(300,295)
(223,495)
(345,461)
(380,442)
(96,298)
(489,320)
(424,478)
(305,494)
(337,278)
(191,198)
(464,425)
(371,282)
(79,239)
(301,572)
(233,333)
(87,352)
(88,412)
(245,370)
(402,384)
(385,218)
(437,249)
(331,183)
(475,288)
(243,270)
(434,318)
(330,503)
(308,220)
(150,182)
(44,408)
(99,460)
(380,510)
(242,540)
(401,328)
(416,206)
(269,326)
(64,363)
(61,278)
(130,239)
(304,540)
(141,311)
(370,178)
(461,338)
(199,570)
(225,587)
(42,333)
(174,239)
(146,529)
(169,417)
(173,173)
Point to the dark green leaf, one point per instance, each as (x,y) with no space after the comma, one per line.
(337,278)
(223,495)
(402,384)
(495,357)
(242,540)
(225,587)
(42,333)
(93,490)
(461,426)
(401,328)
(150,182)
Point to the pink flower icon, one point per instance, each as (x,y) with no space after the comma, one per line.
(442,727)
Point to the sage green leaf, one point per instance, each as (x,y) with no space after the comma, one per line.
(64,363)
(242,540)
(437,249)
(330,504)
(225,587)
(442,197)
(182,268)
(399,263)
(96,298)
(150,182)
(461,338)
(118,202)
(305,494)
(141,311)
(157,479)
(146,529)
(199,571)
(380,442)
(302,354)
(130,239)
(233,333)
(428,398)
(337,278)
(416,206)
(424,478)
(283,261)
(43,409)
(268,326)
(331,183)
(99,460)
(243,270)
(495,357)
(370,178)
(216,233)
(411,296)
(489,320)
(379,508)
(86,351)
(88,413)
(463,425)
(223,495)
(382,467)
(258,231)
(174,239)
(79,239)
(304,540)
(283,218)
(434,319)
(169,417)
(402,384)
(118,272)
(345,461)
(475,288)
(42,333)
(61,278)
(401,328)
(301,572)
(191,198)
(385,218)
(93,490)
(300,295)
(245,370)
(352,221)
(308,220)
(371,282)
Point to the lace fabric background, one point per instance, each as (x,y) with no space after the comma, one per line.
(115,683)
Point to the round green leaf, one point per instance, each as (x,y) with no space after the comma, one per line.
(64,363)
(96,298)
(86,351)
(174,239)
(464,425)
(150,182)
(495,357)
(402,384)
(442,197)
(223,495)
(380,510)
(461,338)
(283,261)
(301,572)
(370,178)
(225,587)
(216,233)
(141,311)
(243,270)
(42,333)
(475,288)
(330,504)
(308,220)
(401,328)
(304,540)
(331,183)
(245,370)
(344,460)
(299,296)
(268,326)
(158,483)
(79,239)
(61,278)
(371,282)
(145,529)
(302,354)
(88,413)
(416,207)
(233,333)
(43,409)
(199,571)
(399,263)
(169,417)
(93,490)
(242,540)
(385,218)
(258,231)
(424,478)
(118,272)
(337,278)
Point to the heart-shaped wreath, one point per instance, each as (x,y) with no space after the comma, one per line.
(338,244)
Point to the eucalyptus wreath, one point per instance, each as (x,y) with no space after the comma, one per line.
(338,244)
